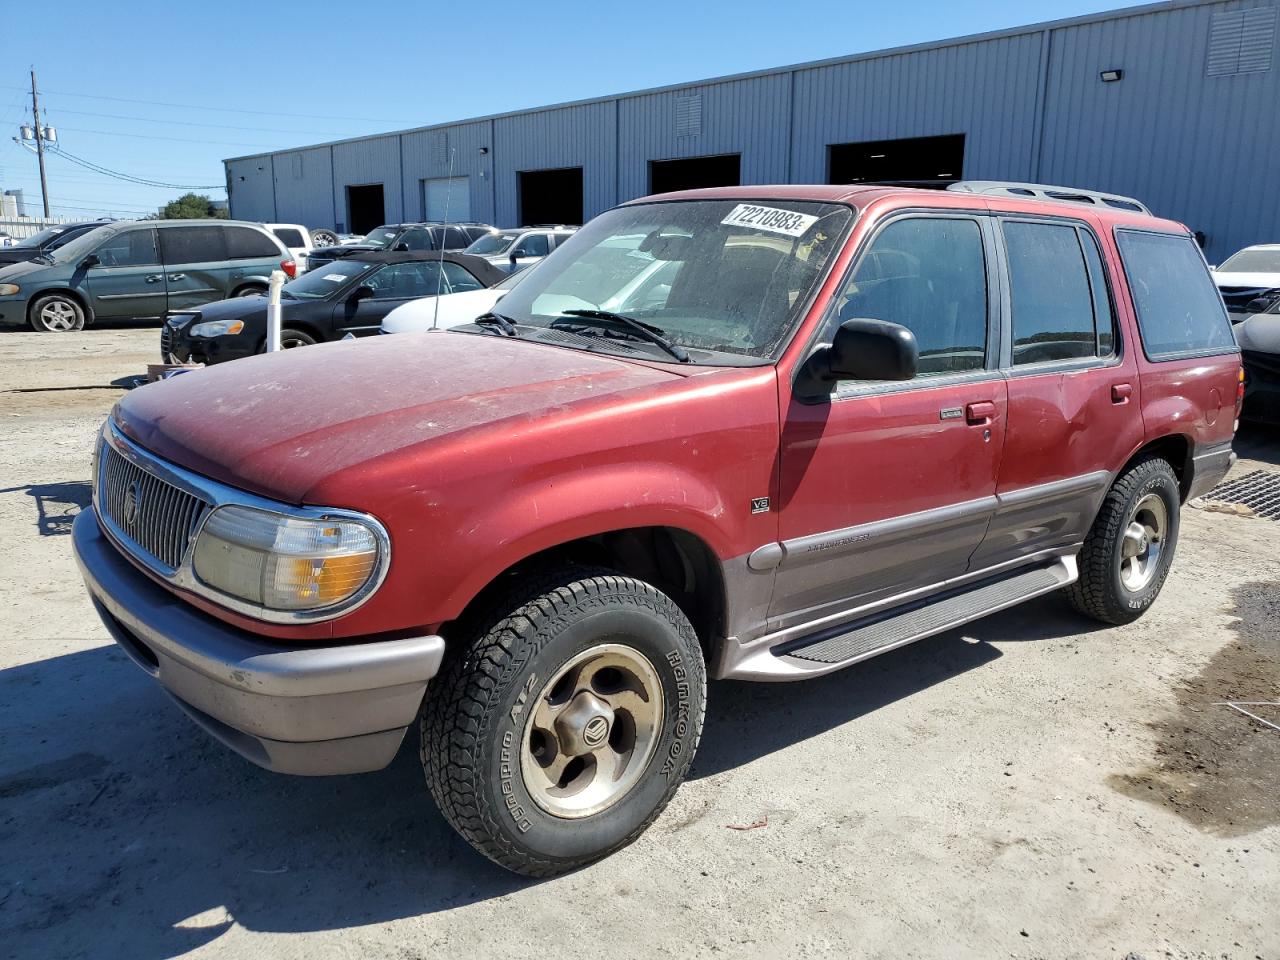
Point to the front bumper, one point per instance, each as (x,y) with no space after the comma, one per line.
(311,711)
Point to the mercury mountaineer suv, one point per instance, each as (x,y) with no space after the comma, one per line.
(834,421)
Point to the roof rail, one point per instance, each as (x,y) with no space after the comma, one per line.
(1044,191)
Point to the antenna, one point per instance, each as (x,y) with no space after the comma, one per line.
(448,197)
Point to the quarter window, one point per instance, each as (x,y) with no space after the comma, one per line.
(1052,299)
(192,244)
(929,275)
(246,244)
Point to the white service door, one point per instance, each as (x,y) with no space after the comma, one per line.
(447,199)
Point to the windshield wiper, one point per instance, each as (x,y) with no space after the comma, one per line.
(504,324)
(646,331)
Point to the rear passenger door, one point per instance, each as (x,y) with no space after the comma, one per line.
(1074,410)
(195,264)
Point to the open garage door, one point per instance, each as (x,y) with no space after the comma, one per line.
(551,196)
(939,159)
(365,208)
(693,173)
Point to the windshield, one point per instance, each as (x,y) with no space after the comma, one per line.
(81,246)
(381,238)
(39,239)
(319,283)
(1252,261)
(491,244)
(724,279)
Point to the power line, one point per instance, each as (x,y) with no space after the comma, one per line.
(197,106)
(183,123)
(143,136)
(130,178)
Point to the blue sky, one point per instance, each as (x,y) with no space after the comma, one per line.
(166,91)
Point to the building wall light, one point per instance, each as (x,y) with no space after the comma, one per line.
(1111,76)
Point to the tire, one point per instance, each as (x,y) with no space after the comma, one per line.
(324,238)
(488,762)
(1115,588)
(56,313)
(251,292)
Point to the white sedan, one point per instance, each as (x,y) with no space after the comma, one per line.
(450,310)
(1252,274)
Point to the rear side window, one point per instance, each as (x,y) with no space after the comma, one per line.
(1179,310)
(1059,299)
(289,236)
(192,244)
(930,276)
(246,244)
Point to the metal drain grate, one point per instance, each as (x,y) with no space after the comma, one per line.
(1259,491)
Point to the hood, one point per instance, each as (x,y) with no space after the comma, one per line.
(281,424)
(11,271)
(237,308)
(17,254)
(343,250)
(453,310)
(1246,279)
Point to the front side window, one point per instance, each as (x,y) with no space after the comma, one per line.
(193,244)
(928,274)
(725,280)
(132,248)
(1180,312)
(1051,296)
(458,278)
(534,245)
(403,281)
(415,238)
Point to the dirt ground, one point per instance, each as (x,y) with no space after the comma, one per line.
(1030,786)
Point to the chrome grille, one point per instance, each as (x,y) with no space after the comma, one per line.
(157,516)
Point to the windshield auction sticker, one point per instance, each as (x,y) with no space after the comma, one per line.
(769,218)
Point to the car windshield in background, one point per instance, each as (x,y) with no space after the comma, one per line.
(491,244)
(381,238)
(723,279)
(1252,261)
(319,283)
(81,246)
(38,239)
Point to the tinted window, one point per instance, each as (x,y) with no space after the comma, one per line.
(929,275)
(133,248)
(246,244)
(400,281)
(1179,309)
(1051,297)
(289,236)
(415,238)
(1104,319)
(534,245)
(456,239)
(192,244)
(459,278)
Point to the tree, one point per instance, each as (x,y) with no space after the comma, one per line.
(192,206)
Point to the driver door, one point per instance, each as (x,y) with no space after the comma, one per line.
(394,284)
(128,280)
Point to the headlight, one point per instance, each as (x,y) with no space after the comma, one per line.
(9,289)
(216,328)
(286,563)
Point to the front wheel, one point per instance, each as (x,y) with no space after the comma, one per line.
(56,313)
(1127,554)
(560,732)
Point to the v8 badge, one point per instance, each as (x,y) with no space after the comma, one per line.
(760,505)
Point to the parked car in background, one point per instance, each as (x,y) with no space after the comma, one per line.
(140,269)
(402,238)
(831,434)
(521,246)
(348,296)
(450,310)
(1259,337)
(324,237)
(297,241)
(1249,280)
(47,240)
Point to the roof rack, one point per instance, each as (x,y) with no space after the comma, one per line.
(1044,191)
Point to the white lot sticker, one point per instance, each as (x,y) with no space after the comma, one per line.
(335,277)
(769,218)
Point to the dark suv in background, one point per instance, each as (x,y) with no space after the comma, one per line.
(140,269)
(46,241)
(404,238)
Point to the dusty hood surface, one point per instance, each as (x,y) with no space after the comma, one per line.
(278,424)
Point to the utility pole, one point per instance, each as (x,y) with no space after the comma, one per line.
(35,111)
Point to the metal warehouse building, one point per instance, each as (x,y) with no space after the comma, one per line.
(1177,104)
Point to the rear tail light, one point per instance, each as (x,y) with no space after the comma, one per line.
(1240,391)
(289,267)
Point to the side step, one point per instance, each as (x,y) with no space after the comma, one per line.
(850,642)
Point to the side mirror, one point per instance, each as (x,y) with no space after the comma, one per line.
(1259,305)
(90,261)
(515,255)
(861,350)
(362,292)
(400,247)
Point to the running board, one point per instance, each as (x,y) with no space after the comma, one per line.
(854,641)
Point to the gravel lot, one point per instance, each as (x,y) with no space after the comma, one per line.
(1031,786)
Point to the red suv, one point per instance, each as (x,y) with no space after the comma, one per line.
(754,432)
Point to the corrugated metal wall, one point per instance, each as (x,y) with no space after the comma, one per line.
(1196,144)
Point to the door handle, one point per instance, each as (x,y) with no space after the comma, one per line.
(1121,392)
(980,413)
(155,278)
(177,276)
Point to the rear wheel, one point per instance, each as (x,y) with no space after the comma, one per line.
(295,338)
(1127,555)
(562,729)
(56,313)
